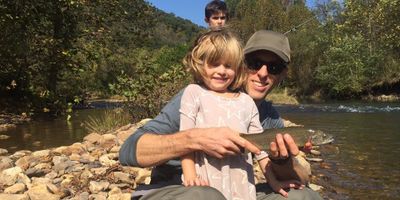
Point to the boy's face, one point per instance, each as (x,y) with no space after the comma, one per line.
(216,20)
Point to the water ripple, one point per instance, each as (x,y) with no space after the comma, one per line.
(340,108)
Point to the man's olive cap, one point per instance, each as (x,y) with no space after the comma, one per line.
(270,41)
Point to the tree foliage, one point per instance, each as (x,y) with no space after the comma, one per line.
(56,52)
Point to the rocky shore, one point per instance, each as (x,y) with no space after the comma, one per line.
(8,121)
(86,170)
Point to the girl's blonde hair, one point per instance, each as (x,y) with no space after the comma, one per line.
(213,46)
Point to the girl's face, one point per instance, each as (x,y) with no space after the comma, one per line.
(218,76)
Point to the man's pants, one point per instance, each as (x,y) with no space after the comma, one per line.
(264,192)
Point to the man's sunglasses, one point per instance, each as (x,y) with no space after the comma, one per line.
(273,68)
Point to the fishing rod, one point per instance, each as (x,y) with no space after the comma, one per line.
(296,27)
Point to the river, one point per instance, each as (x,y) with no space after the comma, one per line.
(363,165)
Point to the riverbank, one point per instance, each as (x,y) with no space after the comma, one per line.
(85,170)
(9,120)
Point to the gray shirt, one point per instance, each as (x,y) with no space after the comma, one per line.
(167,122)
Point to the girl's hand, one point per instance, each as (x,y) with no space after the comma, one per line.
(195,182)
(281,186)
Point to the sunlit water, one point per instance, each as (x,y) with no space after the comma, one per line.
(367,136)
(41,134)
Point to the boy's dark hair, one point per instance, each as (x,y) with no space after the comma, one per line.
(214,7)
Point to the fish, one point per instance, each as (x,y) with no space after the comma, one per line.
(301,136)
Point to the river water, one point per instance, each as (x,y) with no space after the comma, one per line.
(361,164)
(365,161)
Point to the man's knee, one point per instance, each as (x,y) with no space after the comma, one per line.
(206,193)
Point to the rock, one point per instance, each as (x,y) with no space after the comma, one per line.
(40,192)
(82,196)
(315,159)
(40,181)
(123,177)
(52,188)
(9,176)
(77,148)
(114,194)
(59,159)
(3,152)
(96,187)
(19,154)
(98,196)
(107,141)
(24,162)
(66,180)
(5,163)
(14,197)
(34,172)
(22,178)
(51,175)
(75,157)
(315,152)
(92,138)
(315,187)
(43,153)
(99,171)
(17,188)
(108,159)
(115,149)
(143,176)
(4,137)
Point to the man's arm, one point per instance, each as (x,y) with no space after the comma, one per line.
(218,142)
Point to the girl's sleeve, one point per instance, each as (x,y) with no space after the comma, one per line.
(255,127)
(189,107)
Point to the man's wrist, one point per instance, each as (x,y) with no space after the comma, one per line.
(279,161)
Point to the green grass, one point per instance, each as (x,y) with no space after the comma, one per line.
(108,122)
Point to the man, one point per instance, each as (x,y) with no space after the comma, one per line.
(159,141)
(216,14)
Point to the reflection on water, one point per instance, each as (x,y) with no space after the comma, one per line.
(44,134)
(368,137)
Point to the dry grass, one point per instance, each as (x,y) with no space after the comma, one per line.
(281,96)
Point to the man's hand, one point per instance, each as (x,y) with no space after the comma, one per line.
(221,142)
(284,164)
(283,147)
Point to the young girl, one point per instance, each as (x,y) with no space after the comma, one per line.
(216,63)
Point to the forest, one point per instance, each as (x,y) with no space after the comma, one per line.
(57,54)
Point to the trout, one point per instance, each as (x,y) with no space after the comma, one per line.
(300,135)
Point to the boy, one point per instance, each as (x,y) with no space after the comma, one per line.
(216,14)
